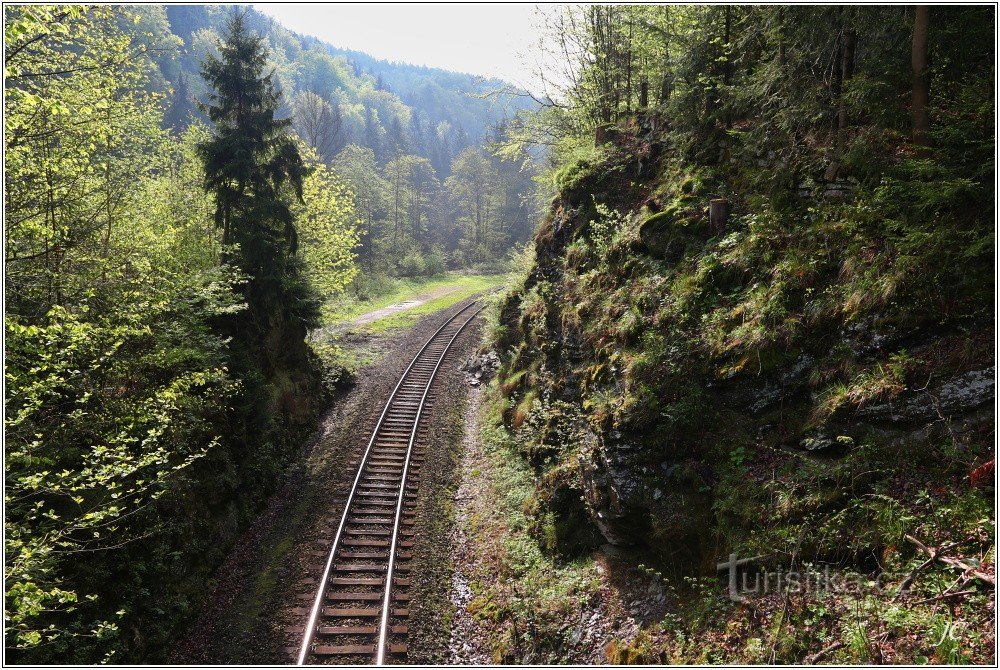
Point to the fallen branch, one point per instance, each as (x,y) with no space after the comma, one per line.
(953,562)
(945,596)
(937,552)
(811,660)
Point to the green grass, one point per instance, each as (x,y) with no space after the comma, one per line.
(465,286)
(343,357)
(347,308)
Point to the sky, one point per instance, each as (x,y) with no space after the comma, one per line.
(490,40)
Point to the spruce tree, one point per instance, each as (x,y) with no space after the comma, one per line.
(253,169)
(181,110)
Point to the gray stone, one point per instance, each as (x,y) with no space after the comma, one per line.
(946,399)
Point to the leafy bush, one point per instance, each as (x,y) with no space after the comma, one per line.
(102,412)
(435,263)
(413,264)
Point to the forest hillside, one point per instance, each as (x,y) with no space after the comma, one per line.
(411,142)
(759,321)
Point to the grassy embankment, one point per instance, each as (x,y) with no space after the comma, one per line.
(446,290)
(345,346)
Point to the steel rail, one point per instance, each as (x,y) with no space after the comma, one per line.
(317,606)
(387,598)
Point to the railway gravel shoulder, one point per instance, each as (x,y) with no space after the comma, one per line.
(431,612)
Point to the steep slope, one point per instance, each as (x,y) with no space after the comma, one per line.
(809,381)
(672,340)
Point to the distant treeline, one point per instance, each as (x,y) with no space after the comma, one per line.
(411,142)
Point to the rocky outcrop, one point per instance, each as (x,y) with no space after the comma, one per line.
(595,340)
(942,399)
(615,493)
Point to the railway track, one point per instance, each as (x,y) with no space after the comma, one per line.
(361,606)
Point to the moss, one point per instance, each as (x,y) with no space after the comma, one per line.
(568,177)
(523,408)
(668,235)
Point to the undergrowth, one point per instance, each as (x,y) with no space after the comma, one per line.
(523,596)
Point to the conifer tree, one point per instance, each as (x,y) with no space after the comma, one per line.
(252,166)
(181,110)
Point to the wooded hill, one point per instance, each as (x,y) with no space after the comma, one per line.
(390,108)
(759,320)
(395,132)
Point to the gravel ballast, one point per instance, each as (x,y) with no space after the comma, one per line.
(257,609)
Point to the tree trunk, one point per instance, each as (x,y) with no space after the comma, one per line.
(665,81)
(781,35)
(108,210)
(727,71)
(847,47)
(921,79)
(627,57)
(665,87)
(718,214)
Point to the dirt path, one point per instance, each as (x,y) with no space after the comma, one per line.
(375,315)
(256,611)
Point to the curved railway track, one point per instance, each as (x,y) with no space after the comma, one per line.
(361,606)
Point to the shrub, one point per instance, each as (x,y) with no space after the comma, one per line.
(435,263)
(412,265)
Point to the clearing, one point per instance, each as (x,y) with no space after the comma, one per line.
(405,302)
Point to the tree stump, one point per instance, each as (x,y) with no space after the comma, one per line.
(718,214)
(601,134)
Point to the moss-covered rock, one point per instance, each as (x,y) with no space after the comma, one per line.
(667,235)
(650,364)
